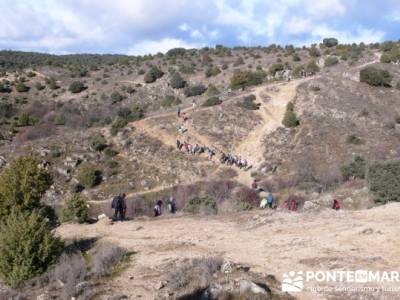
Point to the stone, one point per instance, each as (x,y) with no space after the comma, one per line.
(249,286)
(159,285)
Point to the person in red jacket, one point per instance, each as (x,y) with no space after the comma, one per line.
(336,204)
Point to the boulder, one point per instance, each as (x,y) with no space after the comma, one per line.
(249,286)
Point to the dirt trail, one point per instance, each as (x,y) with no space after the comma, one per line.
(268,242)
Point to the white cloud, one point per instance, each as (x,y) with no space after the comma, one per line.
(153,47)
(393,17)
(323,8)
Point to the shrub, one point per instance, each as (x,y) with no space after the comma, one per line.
(177,82)
(194,90)
(290,119)
(176,52)
(117,124)
(386,59)
(331,61)
(384,181)
(275,68)
(296,57)
(212,71)
(170,100)
(153,74)
(110,152)
(75,209)
(330,42)
(201,205)
(248,103)
(88,175)
(98,143)
(24,119)
(353,139)
(22,185)
(76,87)
(239,61)
(51,82)
(213,101)
(312,67)
(116,97)
(244,79)
(39,86)
(355,169)
(20,87)
(375,77)
(212,90)
(27,247)
(314,52)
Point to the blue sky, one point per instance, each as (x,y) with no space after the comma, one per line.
(149,26)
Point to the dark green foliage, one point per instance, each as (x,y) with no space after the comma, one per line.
(5,87)
(177,82)
(27,247)
(176,52)
(212,90)
(296,57)
(312,67)
(116,97)
(314,52)
(98,143)
(170,100)
(213,101)
(249,78)
(52,84)
(290,119)
(330,42)
(275,68)
(131,114)
(75,209)
(88,175)
(24,119)
(331,61)
(375,77)
(212,71)
(201,205)
(355,169)
(384,181)
(194,90)
(353,139)
(6,110)
(22,185)
(20,87)
(248,103)
(153,74)
(110,152)
(117,124)
(76,87)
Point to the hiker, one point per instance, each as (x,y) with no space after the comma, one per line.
(171,205)
(178,144)
(186,146)
(254,185)
(196,149)
(270,200)
(179,111)
(285,204)
(158,208)
(293,205)
(336,204)
(119,206)
(263,203)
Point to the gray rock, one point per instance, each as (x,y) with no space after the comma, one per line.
(249,286)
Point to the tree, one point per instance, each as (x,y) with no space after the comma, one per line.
(75,209)
(194,90)
(27,247)
(330,42)
(153,74)
(384,181)
(76,87)
(88,175)
(22,185)
(177,82)
(290,119)
(356,169)
(375,77)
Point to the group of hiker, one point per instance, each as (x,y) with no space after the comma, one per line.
(196,149)
(234,160)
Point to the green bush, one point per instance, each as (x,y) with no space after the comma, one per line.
(116,97)
(212,90)
(275,68)
(384,181)
(212,71)
(88,175)
(290,119)
(27,247)
(194,90)
(24,119)
(52,84)
(375,77)
(98,142)
(20,87)
(117,124)
(248,103)
(249,78)
(213,101)
(330,42)
(201,205)
(177,82)
(75,209)
(355,169)
(239,61)
(312,67)
(353,139)
(176,52)
(170,100)
(22,185)
(314,52)
(110,152)
(331,61)
(130,114)
(153,74)
(76,87)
